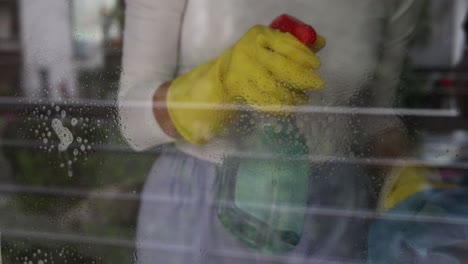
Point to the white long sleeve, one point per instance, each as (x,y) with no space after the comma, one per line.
(445,45)
(401,24)
(150,55)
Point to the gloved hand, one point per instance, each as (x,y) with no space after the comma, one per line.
(267,69)
(407,181)
(417,240)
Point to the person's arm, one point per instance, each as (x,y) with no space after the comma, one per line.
(398,33)
(150,56)
(161,112)
(388,135)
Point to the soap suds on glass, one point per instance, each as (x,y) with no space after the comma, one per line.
(61,129)
(64,134)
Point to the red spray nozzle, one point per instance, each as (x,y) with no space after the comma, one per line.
(302,31)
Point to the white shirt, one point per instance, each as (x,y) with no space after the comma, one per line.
(164,38)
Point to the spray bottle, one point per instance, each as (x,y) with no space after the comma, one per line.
(262,197)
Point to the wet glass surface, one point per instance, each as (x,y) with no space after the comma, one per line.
(370,168)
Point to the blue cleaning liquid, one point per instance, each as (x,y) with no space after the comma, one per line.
(262,196)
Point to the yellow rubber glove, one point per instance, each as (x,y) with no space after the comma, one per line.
(405,182)
(267,70)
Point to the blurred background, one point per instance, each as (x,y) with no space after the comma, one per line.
(60,62)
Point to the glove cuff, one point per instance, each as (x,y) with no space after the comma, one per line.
(195,104)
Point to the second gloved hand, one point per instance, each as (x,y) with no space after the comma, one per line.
(266,69)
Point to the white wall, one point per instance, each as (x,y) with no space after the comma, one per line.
(46,27)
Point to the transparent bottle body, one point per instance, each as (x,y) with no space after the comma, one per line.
(263,186)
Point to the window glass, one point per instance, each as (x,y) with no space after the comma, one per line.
(208,131)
